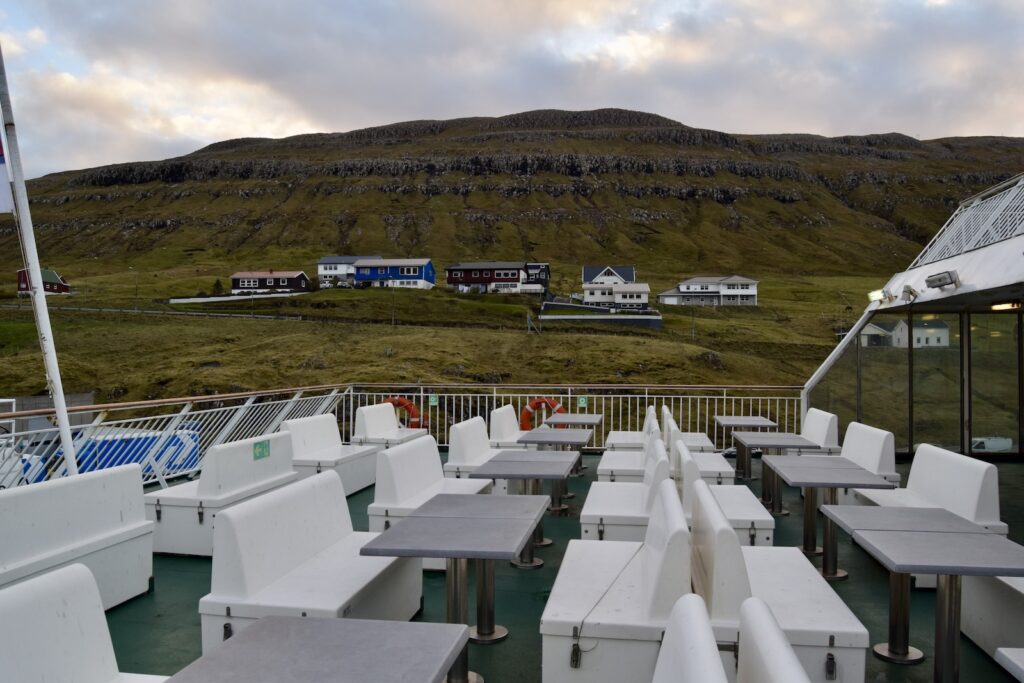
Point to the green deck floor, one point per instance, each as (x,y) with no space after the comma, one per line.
(158,633)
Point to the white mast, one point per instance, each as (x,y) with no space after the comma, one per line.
(35,277)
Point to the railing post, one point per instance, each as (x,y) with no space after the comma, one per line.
(240,412)
(287,408)
(161,442)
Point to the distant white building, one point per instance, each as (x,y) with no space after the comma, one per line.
(731,290)
(342,268)
(929,334)
(614,287)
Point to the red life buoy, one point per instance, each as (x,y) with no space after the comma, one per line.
(415,421)
(526,417)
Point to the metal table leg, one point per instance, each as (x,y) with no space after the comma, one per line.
(458,613)
(898,649)
(831,542)
(557,493)
(777,510)
(767,474)
(486,631)
(947,629)
(810,546)
(526,559)
(742,460)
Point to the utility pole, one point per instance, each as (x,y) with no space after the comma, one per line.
(37,293)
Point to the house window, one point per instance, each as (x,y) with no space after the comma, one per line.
(364,271)
(487,273)
(476,273)
(918,341)
(408,271)
(270,280)
(282,281)
(703,288)
(381,271)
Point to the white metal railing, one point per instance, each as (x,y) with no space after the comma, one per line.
(168,438)
(995,215)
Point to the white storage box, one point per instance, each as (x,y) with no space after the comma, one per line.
(184,515)
(753,524)
(356,465)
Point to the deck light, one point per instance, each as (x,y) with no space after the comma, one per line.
(943,279)
(1008,306)
(909,293)
(880,295)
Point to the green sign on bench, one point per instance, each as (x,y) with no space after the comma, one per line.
(260,450)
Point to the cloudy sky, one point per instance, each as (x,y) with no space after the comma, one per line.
(101,81)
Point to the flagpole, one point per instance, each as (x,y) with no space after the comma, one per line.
(35,277)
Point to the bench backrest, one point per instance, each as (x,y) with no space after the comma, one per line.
(39,519)
(238,465)
(668,425)
(963,485)
(651,424)
(719,572)
(504,423)
(376,420)
(820,427)
(689,652)
(261,539)
(690,471)
(53,629)
(655,472)
(468,442)
(665,553)
(406,469)
(766,655)
(313,436)
(872,448)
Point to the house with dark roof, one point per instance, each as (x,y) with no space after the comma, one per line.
(728,290)
(614,287)
(269,282)
(52,283)
(505,277)
(338,268)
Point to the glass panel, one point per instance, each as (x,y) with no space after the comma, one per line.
(885,390)
(994,408)
(937,380)
(837,391)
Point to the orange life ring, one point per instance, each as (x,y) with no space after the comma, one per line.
(526,417)
(415,421)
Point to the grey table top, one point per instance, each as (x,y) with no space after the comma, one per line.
(483,506)
(852,518)
(582,419)
(557,437)
(523,469)
(773,440)
(484,538)
(940,552)
(829,477)
(744,421)
(834,462)
(533,455)
(275,649)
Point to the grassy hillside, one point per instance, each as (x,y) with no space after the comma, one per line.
(819,220)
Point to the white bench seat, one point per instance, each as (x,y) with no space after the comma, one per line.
(184,514)
(468,449)
(317,446)
(504,428)
(96,519)
(292,552)
(618,440)
(714,468)
(816,621)
(993,611)
(617,595)
(621,466)
(52,628)
(689,653)
(620,512)
(1012,659)
(378,424)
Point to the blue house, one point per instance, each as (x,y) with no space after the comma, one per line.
(414,273)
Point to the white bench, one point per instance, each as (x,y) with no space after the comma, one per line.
(689,653)
(619,512)
(185,514)
(613,598)
(633,441)
(697,442)
(993,611)
(823,429)
(1012,659)
(96,519)
(317,446)
(816,621)
(52,628)
(292,552)
(378,424)
(714,468)
(753,524)
(627,466)
(505,430)
(468,448)
(873,449)
(765,655)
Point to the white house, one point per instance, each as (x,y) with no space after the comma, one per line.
(342,268)
(925,334)
(614,287)
(732,290)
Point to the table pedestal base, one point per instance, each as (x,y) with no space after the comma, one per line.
(912,656)
(811,552)
(830,537)
(840,575)
(500,633)
(486,631)
(898,650)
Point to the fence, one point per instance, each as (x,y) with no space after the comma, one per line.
(168,438)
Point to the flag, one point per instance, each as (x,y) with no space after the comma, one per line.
(6,198)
